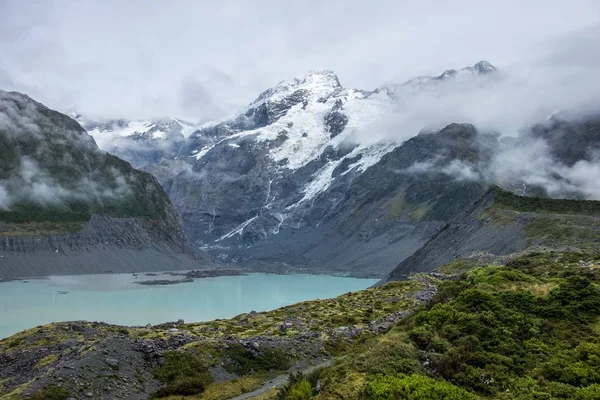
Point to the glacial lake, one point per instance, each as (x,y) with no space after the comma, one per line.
(118,299)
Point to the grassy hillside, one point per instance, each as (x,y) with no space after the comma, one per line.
(527,330)
(507,200)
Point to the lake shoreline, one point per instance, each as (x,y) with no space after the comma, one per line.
(203,273)
(118,299)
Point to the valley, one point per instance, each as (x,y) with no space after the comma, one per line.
(478,250)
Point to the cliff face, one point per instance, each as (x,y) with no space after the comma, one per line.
(68,207)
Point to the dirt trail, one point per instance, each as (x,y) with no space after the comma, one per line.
(279,381)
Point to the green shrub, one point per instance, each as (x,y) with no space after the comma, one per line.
(300,391)
(244,362)
(498,275)
(183,372)
(528,388)
(390,355)
(588,393)
(184,386)
(413,387)
(530,330)
(422,336)
(578,368)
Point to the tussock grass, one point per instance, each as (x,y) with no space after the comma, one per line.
(47,361)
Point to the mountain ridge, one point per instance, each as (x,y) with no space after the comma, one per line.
(63,199)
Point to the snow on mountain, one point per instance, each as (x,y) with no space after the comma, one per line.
(481,69)
(318,84)
(139,141)
(313,113)
(286,162)
(104,131)
(306,123)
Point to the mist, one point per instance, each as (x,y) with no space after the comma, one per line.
(49,160)
(531,163)
(507,101)
(32,184)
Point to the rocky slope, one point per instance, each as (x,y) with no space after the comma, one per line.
(68,207)
(359,221)
(501,224)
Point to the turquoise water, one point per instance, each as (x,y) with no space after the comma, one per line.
(117,299)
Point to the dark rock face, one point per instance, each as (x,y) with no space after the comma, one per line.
(336,122)
(54,185)
(104,244)
(500,224)
(363,222)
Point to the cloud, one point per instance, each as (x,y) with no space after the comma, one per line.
(30,183)
(419,168)
(195,99)
(512,100)
(529,161)
(16,116)
(524,164)
(135,58)
(457,169)
(462,171)
(584,176)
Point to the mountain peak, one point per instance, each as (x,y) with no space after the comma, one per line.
(484,67)
(318,83)
(481,68)
(74,113)
(322,76)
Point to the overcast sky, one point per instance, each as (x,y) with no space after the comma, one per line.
(203,59)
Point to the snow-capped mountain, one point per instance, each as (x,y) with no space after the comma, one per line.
(141,142)
(309,174)
(482,69)
(272,183)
